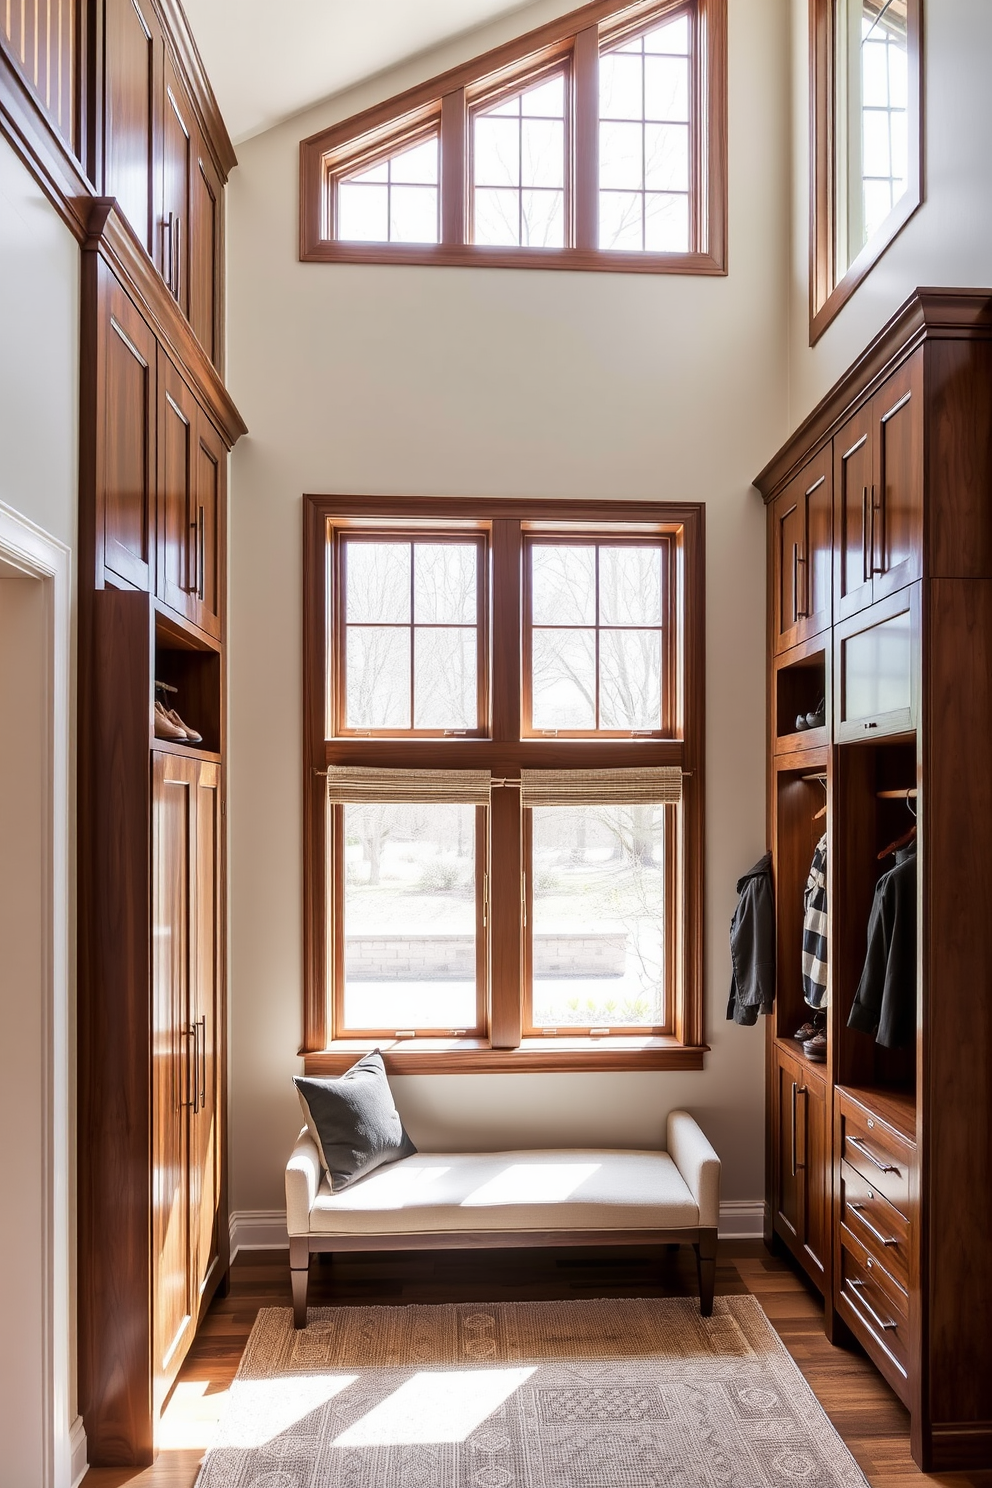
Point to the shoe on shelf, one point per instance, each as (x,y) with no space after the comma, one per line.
(167,728)
(816,1047)
(818,717)
(806,1032)
(192,736)
(801,723)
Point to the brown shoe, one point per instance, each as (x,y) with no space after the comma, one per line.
(816,1047)
(191,735)
(167,728)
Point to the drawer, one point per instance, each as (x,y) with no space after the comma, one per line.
(882,1230)
(878,1154)
(875,1297)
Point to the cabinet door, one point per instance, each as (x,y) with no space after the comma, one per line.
(131,44)
(209,528)
(205,254)
(896,528)
(206,1136)
(126,460)
(174,220)
(816,576)
(786,1186)
(173,805)
(177,446)
(815,1159)
(787,549)
(853,478)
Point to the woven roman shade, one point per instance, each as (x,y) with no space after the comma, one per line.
(355,785)
(644,786)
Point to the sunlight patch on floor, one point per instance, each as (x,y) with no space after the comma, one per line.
(441,1406)
(190,1418)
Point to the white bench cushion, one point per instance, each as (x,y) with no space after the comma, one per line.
(556,1189)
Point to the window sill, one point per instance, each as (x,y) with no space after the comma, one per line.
(468,255)
(470,1056)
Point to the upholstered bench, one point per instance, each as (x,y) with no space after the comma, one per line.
(458,1200)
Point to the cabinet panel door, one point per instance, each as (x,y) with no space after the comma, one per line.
(204,254)
(176,495)
(853,476)
(816,572)
(209,525)
(206,1140)
(176,162)
(896,537)
(816,1178)
(787,1192)
(173,781)
(128,437)
(131,40)
(787,552)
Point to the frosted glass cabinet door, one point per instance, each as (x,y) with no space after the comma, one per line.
(877,661)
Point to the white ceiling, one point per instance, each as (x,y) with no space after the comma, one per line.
(267,62)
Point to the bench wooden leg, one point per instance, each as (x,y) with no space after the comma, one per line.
(299,1270)
(705,1249)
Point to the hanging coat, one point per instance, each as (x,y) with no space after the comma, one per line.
(885,1002)
(752,945)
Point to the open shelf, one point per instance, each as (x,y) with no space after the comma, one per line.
(799,795)
(792,1047)
(190,663)
(800,687)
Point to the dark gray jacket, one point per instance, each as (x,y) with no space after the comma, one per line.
(752,945)
(885,1002)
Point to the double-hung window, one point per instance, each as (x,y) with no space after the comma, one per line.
(504,753)
(596,142)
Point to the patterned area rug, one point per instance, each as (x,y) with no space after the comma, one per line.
(606,1394)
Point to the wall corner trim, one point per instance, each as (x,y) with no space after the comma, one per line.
(77,1448)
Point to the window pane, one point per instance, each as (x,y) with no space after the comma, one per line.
(630,586)
(445,678)
(666,157)
(666,88)
(666,223)
(542,219)
(497,217)
(630,679)
(377,578)
(563,590)
(621,156)
(542,153)
(409,919)
(598,917)
(413,214)
(444,580)
(673,36)
(497,152)
(363,213)
(378,677)
(620,220)
(417,166)
(871,75)
(518,169)
(564,679)
(620,86)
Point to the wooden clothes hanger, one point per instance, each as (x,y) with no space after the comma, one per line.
(910,835)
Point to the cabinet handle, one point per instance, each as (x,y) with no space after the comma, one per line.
(801,1161)
(200,551)
(187,1034)
(802,613)
(878,509)
(858,1288)
(882,1239)
(201,1024)
(882,1167)
(177,255)
(794,1093)
(168,241)
(865,540)
(795,582)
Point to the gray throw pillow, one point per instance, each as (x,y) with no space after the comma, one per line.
(353,1121)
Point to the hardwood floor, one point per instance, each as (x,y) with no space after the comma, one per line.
(859,1403)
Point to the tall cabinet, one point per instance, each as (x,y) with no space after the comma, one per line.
(880,603)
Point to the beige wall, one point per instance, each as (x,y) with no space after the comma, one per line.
(498,383)
(948,241)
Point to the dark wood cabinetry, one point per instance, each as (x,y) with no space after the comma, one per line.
(157,426)
(801,555)
(880,1178)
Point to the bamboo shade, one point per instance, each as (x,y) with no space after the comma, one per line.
(356,784)
(643,786)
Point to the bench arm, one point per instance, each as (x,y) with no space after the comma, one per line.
(699,1165)
(303,1177)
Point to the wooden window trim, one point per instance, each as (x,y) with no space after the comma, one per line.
(576,40)
(828,294)
(506,1048)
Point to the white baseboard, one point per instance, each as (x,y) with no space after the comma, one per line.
(265,1229)
(77,1449)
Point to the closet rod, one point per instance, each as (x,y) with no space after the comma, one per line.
(898,795)
(821,776)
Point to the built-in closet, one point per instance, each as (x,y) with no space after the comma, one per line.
(880,604)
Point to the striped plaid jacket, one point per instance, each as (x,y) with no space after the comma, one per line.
(815,926)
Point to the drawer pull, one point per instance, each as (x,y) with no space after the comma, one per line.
(882,1167)
(858,1288)
(882,1239)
